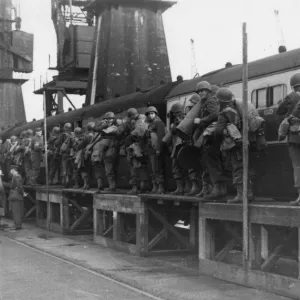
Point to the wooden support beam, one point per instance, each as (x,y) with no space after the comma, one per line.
(264,242)
(131,237)
(298,232)
(162,234)
(268,264)
(31,199)
(116,226)
(226,250)
(255,248)
(78,207)
(142,231)
(98,222)
(106,232)
(169,227)
(82,218)
(30,211)
(193,226)
(228,227)
(206,240)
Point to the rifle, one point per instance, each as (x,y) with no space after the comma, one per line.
(89,148)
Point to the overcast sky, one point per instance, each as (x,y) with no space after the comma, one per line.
(215,26)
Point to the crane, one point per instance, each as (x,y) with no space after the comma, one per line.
(281,41)
(194,70)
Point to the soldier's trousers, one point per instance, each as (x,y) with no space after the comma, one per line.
(17,208)
(294,152)
(27,168)
(213,166)
(54,166)
(137,174)
(66,166)
(178,172)
(107,166)
(86,171)
(157,169)
(36,158)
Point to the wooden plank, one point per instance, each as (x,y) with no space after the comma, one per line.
(109,243)
(168,197)
(78,207)
(273,283)
(81,219)
(106,232)
(65,214)
(168,253)
(162,234)
(221,211)
(226,250)
(30,211)
(116,226)
(264,242)
(298,231)
(193,227)
(255,246)
(119,205)
(206,239)
(169,227)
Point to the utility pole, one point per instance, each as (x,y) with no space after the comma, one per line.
(194,70)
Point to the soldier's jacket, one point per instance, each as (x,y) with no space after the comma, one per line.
(155,134)
(51,144)
(37,144)
(16,191)
(19,152)
(64,143)
(209,111)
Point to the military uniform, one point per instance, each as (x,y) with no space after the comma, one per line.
(105,152)
(37,147)
(135,149)
(27,156)
(155,134)
(54,156)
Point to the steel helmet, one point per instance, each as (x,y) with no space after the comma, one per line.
(295,80)
(109,115)
(29,132)
(195,98)
(151,109)
(78,131)
(13,139)
(214,88)
(177,108)
(22,134)
(38,129)
(55,130)
(224,94)
(132,112)
(203,85)
(68,126)
(90,126)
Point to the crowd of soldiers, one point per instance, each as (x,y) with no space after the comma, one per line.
(214,127)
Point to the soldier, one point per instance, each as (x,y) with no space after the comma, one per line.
(135,149)
(10,155)
(85,164)
(291,109)
(19,152)
(63,144)
(233,147)
(54,156)
(37,147)
(27,155)
(211,157)
(105,150)
(171,138)
(155,134)
(75,159)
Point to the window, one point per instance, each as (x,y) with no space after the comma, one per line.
(268,96)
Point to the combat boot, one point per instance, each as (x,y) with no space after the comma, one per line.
(161,188)
(154,188)
(86,185)
(195,189)
(188,186)
(206,189)
(99,185)
(133,191)
(112,185)
(239,195)
(143,187)
(179,190)
(218,192)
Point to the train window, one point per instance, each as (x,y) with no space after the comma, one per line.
(269,96)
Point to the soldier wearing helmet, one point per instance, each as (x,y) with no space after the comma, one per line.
(290,107)
(75,157)
(135,149)
(173,141)
(19,153)
(53,156)
(84,163)
(106,149)
(63,145)
(155,134)
(37,147)
(27,155)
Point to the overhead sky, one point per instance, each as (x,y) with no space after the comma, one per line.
(215,26)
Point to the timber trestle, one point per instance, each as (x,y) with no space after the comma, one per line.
(69,211)
(274,245)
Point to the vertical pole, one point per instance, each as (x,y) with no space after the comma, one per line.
(71,12)
(95,69)
(46,160)
(245,151)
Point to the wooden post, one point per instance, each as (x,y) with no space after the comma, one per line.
(46,160)
(71,12)
(95,70)
(245,151)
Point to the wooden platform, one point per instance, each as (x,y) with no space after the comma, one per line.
(274,232)
(69,211)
